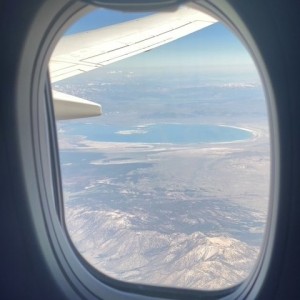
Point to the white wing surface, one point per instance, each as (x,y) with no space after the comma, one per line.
(83,52)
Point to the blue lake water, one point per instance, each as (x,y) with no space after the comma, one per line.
(162,133)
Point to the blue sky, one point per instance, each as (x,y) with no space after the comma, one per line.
(213,48)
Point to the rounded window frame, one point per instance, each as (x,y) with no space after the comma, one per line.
(89,282)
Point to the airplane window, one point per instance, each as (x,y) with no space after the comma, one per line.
(170,185)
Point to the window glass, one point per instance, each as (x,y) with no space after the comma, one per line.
(170,185)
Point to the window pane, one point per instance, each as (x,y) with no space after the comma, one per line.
(170,185)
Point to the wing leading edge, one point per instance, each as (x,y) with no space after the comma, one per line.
(83,52)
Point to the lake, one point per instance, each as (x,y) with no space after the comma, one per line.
(165,133)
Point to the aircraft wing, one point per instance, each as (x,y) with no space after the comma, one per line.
(86,51)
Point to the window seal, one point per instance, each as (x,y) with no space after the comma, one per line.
(133,289)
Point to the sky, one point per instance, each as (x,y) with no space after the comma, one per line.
(212,48)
